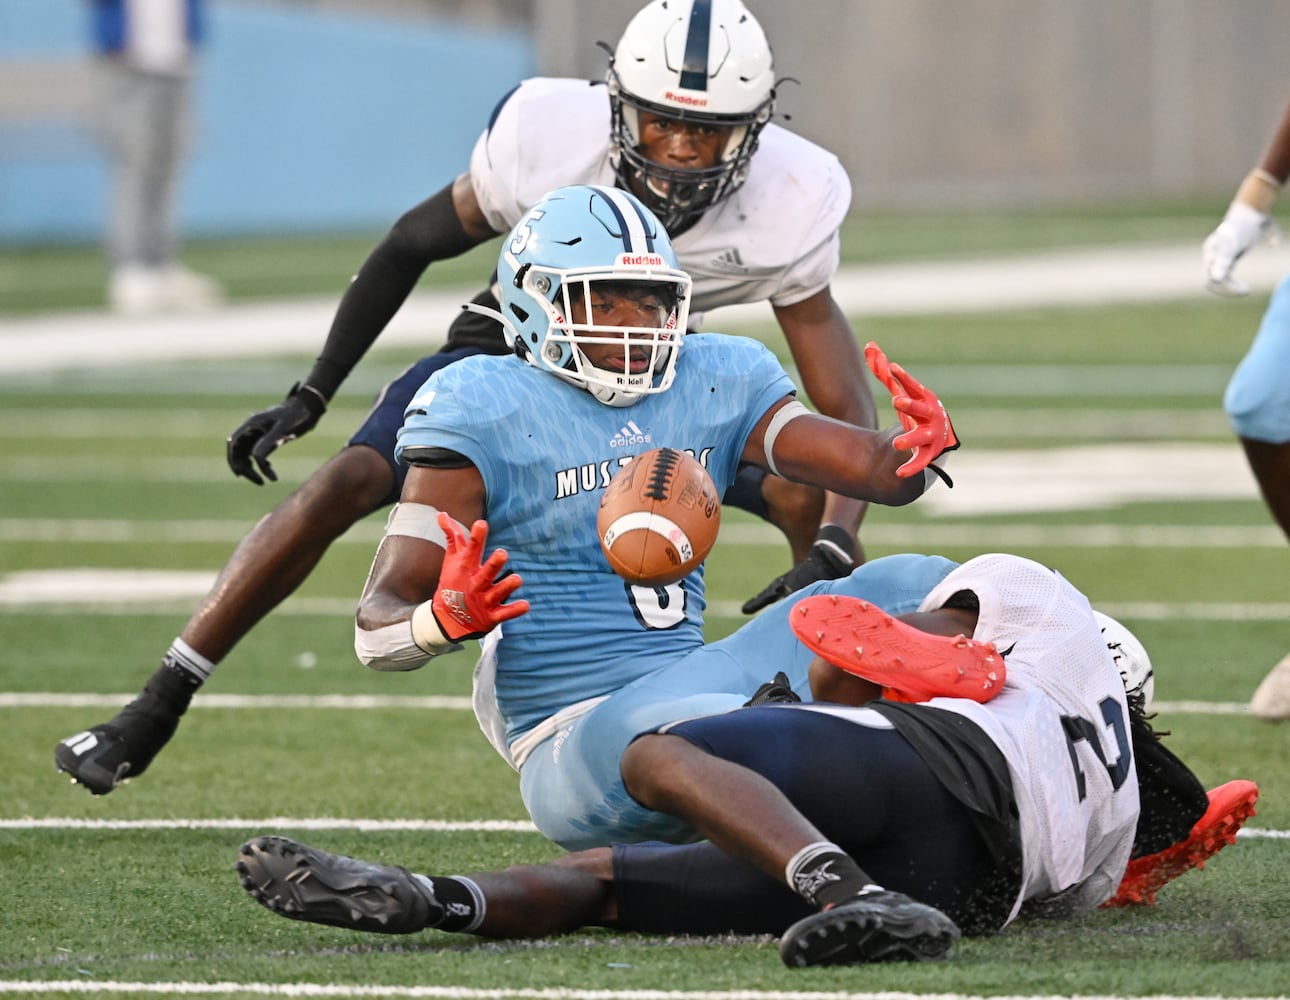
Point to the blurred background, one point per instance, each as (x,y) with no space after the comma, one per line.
(322,116)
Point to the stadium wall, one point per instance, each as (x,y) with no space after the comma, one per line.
(308,120)
(325,116)
(978,103)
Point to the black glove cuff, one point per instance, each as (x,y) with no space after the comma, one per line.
(937,470)
(311,398)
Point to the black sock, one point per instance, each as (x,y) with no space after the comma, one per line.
(183,670)
(824,875)
(462,900)
(172,685)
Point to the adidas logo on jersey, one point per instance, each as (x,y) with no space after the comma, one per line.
(729,261)
(629,435)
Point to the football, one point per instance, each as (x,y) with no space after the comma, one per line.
(658,517)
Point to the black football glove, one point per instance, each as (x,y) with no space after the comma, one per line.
(833,555)
(774,692)
(263,433)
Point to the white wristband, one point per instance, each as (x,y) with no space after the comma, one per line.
(1259,190)
(426,632)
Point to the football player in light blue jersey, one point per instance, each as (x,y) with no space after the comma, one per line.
(686,120)
(1257,399)
(595,305)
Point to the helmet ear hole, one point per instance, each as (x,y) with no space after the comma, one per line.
(602,301)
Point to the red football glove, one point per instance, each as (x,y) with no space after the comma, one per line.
(469,599)
(928,431)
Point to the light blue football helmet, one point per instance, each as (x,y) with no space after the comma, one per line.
(575,251)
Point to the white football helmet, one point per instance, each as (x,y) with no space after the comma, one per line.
(1130,657)
(702,61)
(577,241)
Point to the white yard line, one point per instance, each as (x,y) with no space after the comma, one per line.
(328,823)
(1062,277)
(181,603)
(453,703)
(910,537)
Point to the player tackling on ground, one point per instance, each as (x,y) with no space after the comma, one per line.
(881,832)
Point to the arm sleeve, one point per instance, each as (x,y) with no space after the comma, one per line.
(429,232)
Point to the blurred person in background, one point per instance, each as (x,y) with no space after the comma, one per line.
(148,52)
(1257,400)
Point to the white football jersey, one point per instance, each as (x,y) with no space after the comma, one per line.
(776,238)
(1062,723)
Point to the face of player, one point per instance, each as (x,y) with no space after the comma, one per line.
(679,145)
(620,305)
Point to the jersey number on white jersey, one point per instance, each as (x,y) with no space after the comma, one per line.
(1081,729)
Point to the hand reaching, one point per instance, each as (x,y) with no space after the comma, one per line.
(263,433)
(469,599)
(1242,228)
(833,555)
(928,431)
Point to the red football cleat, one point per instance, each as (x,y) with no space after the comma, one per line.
(910,664)
(1230,805)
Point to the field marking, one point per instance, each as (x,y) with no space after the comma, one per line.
(1036,279)
(1090,477)
(365,702)
(49,699)
(332,824)
(344,607)
(907,537)
(987,480)
(183,988)
(1042,422)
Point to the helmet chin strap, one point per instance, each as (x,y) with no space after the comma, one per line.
(675,219)
(615,397)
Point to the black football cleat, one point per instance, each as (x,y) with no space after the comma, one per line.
(103,756)
(305,883)
(880,926)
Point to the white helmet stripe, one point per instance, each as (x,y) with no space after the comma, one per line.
(638,236)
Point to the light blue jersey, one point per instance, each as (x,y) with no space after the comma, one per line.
(562,690)
(546,451)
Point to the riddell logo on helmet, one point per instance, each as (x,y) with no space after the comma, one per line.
(640,260)
(694,102)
